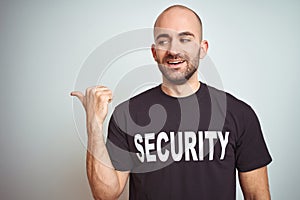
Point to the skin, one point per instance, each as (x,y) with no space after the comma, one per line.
(255,185)
(105,182)
(177,50)
(182,35)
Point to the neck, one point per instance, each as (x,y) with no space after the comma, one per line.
(186,89)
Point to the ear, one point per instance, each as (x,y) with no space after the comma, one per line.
(203,48)
(153,50)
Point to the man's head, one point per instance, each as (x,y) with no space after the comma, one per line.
(178,43)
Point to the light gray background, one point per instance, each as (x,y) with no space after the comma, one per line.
(254,44)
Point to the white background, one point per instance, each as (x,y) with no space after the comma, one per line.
(254,44)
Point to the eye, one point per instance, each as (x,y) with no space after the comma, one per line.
(163,42)
(185,40)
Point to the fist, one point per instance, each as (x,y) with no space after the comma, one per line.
(95,102)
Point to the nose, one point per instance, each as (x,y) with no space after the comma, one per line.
(174,47)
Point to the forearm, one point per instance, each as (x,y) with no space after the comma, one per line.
(102,176)
(264,196)
(262,193)
(255,184)
(259,194)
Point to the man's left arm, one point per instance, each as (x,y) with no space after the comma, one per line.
(255,184)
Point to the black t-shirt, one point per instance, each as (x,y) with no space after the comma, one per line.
(185,148)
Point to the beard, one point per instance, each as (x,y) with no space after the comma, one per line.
(179,76)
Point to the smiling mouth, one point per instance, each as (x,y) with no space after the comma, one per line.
(175,63)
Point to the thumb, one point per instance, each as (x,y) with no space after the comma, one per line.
(78,94)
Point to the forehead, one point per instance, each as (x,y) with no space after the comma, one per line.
(178,20)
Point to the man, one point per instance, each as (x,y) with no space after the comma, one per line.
(181,139)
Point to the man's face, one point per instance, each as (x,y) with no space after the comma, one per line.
(177,47)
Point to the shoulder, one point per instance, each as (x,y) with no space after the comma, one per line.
(240,108)
(150,93)
(138,101)
(239,116)
(125,114)
(229,103)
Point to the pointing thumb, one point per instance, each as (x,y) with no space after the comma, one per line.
(78,94)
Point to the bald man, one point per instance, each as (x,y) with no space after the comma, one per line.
(181,139)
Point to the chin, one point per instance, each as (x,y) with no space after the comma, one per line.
(178,82)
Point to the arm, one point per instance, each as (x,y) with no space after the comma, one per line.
(255,184)
(106,183)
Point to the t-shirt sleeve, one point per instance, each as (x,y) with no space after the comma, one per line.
(251,151)
(118,147)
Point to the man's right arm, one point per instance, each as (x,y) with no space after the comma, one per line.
(106,183)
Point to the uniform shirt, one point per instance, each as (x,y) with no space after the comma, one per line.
(185,148)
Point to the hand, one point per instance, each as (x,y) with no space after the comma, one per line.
(95,102)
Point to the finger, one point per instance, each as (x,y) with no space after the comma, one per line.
(101,88)
(104,96)
(78,94)
(109,98)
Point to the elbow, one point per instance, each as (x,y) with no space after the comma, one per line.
(104,188)
(105,197)
(106,193)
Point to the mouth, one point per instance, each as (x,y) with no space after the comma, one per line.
(175,63)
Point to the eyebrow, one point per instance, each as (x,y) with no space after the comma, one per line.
(162,35)
(186,33)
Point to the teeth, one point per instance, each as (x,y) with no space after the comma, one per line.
(175,62)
